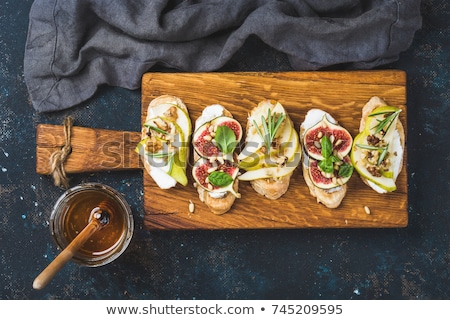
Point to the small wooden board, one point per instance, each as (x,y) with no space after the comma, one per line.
(343,94)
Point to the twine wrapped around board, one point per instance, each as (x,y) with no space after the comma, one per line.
(58,158)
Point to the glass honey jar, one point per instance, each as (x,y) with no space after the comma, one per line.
(72,212)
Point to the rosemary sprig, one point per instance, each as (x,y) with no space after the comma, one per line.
(270,127)
(156,129)
(386,121)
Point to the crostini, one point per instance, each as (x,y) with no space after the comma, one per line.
(326,165)
(377,152)
(272,150)
(216,136)
(164,148)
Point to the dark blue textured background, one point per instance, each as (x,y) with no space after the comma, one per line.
(408,263)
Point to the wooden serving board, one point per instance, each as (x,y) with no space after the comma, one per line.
(343,94)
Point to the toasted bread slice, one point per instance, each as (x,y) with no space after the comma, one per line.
(163,180)
(333,197)
(272,187)
(368,108)
(330,198)
(218,203)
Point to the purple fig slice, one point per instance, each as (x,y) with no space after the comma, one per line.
(204,137)
(216,176)
(340,138)
(328,180)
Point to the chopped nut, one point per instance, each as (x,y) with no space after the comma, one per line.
(171,113)
(332,138)
(367,209)
(372,140)
(191,206)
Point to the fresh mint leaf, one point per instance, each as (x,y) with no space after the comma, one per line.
(327,146)
(326,165)
(220,179)
(225,139)
(345,170)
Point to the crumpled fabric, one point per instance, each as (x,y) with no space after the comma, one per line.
(74,46)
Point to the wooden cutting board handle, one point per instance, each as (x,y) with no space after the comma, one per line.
(93,150)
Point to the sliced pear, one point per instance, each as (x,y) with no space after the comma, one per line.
(183,123)
(384,182)
(179,170)
(254,161)
(172,163)
(285,153)
(251,148)
(159,160)
(254,143)
(377,121)
(180,158)
(290,147)
(271,172)
(140,147)
(177,138)
(181,117)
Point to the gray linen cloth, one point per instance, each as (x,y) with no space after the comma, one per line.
(74,46)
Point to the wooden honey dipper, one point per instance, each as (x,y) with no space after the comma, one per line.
(98,218)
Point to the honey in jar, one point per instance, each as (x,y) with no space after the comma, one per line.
(72,212)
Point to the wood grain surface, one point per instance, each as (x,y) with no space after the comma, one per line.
(343,94)
(93,150)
